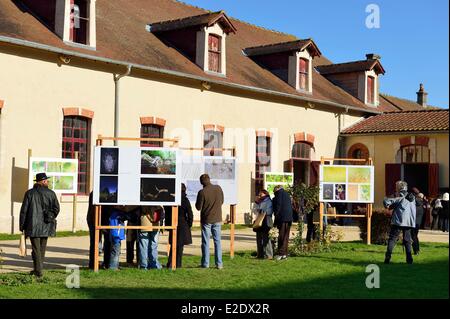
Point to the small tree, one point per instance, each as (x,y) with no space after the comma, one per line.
(306,201)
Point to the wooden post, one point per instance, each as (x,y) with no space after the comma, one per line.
(174,236)
(30,154)
(97,222)
(74,207)
(369,213)
(369,223)
(232,219)
(97,238)
(321,205)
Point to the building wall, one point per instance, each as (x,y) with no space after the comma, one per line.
(383,150)
(35,91)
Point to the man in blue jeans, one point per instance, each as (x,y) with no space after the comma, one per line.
(151,216)
(209,203)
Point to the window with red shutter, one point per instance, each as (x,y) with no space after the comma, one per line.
(262,163)
(214,53)
(76,138)
(370,89)
(303,74)
(152,131)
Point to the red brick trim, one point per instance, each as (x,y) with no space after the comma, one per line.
(405,141)
(160,122)
(2,103)
(152,120)
(87,113)
(76,111)
(362,147)
(213,127)
(71,111)
(304,137)
(146,120)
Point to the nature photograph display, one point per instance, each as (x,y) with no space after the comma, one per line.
(340,193)
(347,183)
(157,189)
(272,179)
(328,191)
(359,175)
(109,161)
(159,162)
(352,192)
(220,169)
(364,192)
(109,189)
(62,173)
(279,178)
(61,182)
(333,174)
(192,189)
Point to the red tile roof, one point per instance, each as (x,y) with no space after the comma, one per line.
(409,121)
(355,66)
(121,36)
(404,104)
(207,19)
(298,45)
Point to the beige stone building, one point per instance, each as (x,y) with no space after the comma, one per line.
(74,69)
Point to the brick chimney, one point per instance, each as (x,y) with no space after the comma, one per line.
(373,56)
(422,96)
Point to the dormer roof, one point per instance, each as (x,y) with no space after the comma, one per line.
(202,20)
(355,66)
(297,45)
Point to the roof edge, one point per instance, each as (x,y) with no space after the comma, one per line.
(395,132)
(39,46)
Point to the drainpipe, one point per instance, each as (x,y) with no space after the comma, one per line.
(117,77)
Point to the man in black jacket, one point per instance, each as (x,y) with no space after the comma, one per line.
(282,208)
(38,213)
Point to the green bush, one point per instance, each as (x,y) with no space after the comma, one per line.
(323,243)
(381,224)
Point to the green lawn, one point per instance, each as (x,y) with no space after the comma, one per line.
(338,274)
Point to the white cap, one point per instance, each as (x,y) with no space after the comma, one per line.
(445,197)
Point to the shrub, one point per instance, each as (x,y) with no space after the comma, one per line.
(381,224)
(323,243)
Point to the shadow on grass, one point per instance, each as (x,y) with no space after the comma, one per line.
(428,280)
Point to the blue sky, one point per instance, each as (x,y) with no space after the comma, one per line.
(412,39)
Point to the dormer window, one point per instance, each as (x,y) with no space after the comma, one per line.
(75,21)
(303,74)
(202,39)
(290,61)
(214,58)
(358,78)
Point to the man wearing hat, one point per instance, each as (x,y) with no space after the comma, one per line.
(40,207)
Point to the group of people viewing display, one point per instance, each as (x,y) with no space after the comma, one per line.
(209,203)
(40,208)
